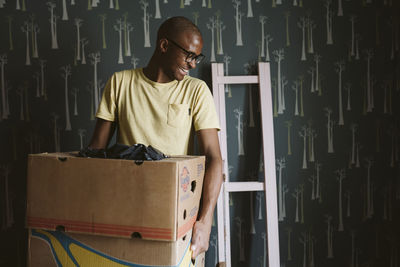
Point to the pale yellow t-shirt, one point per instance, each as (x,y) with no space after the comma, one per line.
(162,115)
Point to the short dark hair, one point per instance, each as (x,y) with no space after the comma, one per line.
(174,26)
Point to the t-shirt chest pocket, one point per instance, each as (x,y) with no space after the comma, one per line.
(179,115)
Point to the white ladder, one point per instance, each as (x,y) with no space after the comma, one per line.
(269,184)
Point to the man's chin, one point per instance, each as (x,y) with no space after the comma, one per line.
(179,77)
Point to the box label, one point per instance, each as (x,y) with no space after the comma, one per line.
(185,179)
(200,169)
(193,212)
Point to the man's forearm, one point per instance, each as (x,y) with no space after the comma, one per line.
(209,146)
(211,188)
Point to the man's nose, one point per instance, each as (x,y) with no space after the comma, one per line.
(192,64)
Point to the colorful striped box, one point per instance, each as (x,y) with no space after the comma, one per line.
(56,248)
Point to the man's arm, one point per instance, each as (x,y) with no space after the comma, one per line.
(102,134)
(209,146)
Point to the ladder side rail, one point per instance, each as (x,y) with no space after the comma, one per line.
(223,134)
(225,217)
(216,69)
(227,230)
(269,165)
(221,226)
(215,93)
(219,100)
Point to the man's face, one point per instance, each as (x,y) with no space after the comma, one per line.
(176,66)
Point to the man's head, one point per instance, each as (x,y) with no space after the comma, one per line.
(179,45)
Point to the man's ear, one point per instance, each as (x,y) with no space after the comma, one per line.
(163,43)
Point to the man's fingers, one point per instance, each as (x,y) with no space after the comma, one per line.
(199,239)
(194,251)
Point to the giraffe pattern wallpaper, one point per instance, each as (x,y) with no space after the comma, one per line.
(335,79)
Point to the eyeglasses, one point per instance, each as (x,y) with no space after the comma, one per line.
(190,56)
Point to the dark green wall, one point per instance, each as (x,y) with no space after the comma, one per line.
(33,114)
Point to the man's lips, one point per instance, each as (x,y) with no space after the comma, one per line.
(184,71)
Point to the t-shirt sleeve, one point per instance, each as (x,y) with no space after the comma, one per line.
(204,113)
(107,107)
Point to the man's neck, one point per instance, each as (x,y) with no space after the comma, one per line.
(155,73)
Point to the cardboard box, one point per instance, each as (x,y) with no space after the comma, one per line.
(155,200)
(52,249)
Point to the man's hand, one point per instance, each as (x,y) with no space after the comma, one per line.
(200,238)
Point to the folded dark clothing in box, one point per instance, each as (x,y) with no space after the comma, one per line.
(120,151)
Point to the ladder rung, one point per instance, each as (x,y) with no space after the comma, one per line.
(244,79)
(243,186)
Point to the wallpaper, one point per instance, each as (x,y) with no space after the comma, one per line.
(335,88)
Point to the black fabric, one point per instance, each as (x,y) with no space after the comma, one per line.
(88,152)
(120,151)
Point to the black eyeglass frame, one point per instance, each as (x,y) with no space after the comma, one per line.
(190,56)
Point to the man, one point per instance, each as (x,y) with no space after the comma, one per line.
(160,105)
